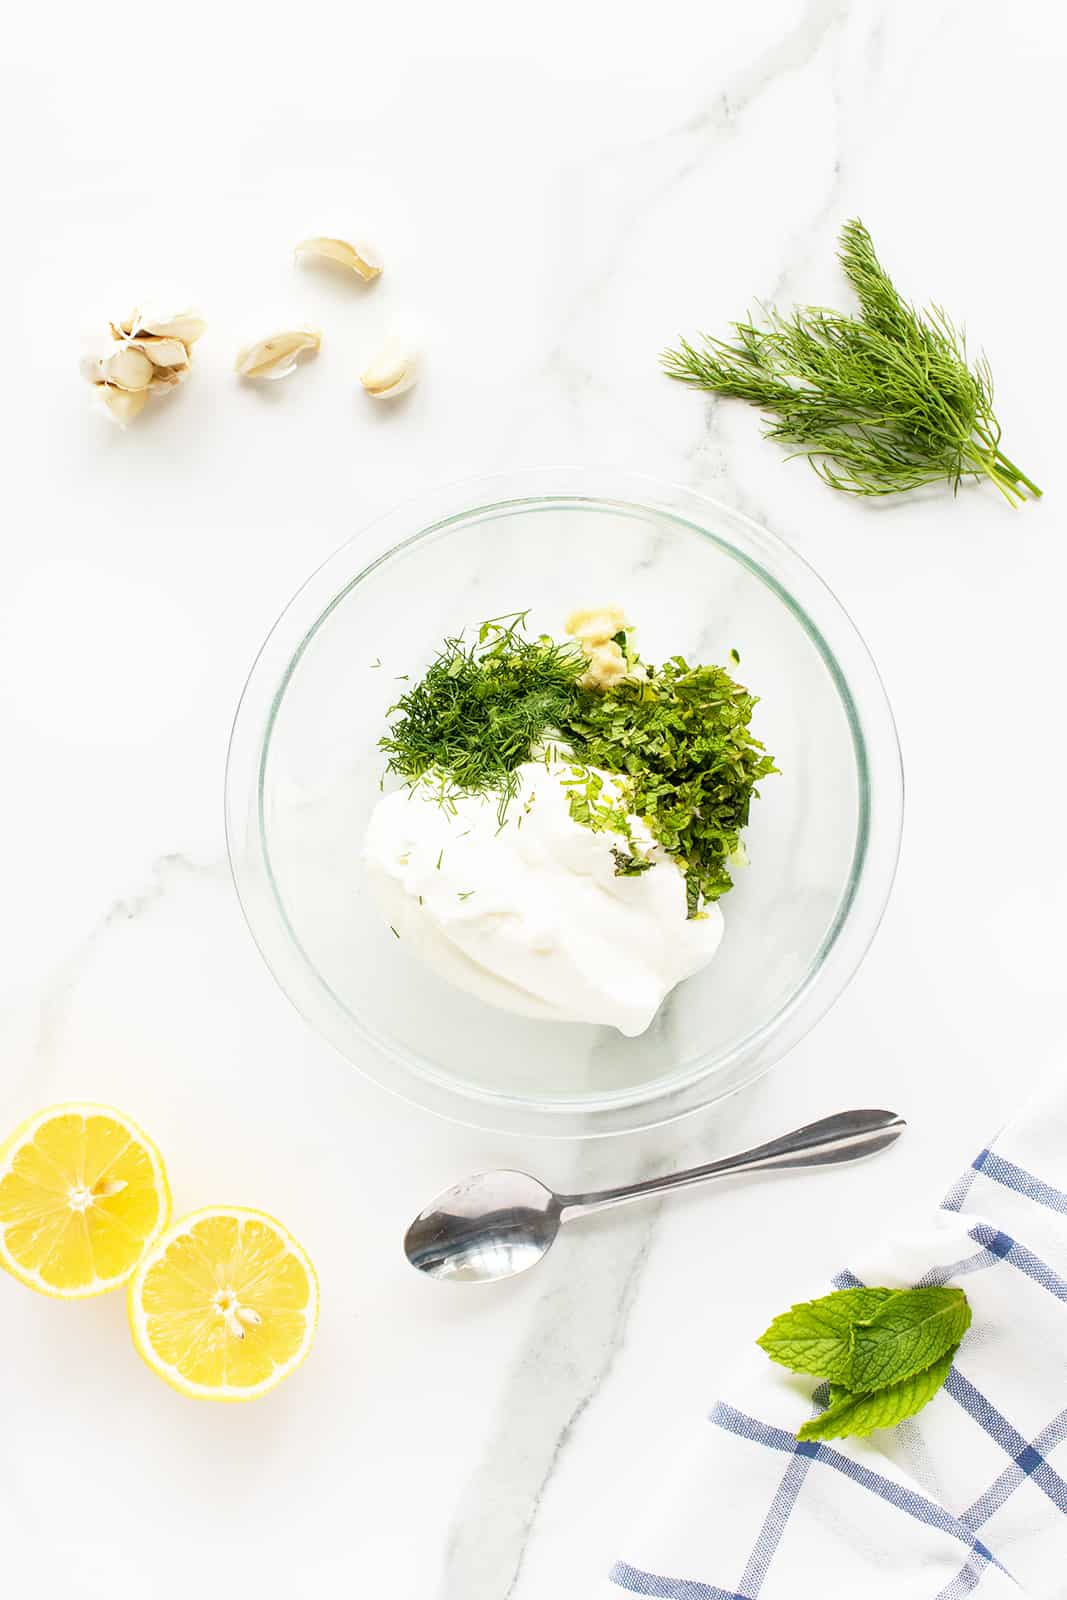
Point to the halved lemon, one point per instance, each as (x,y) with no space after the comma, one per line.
(225,1305)
(83,1193)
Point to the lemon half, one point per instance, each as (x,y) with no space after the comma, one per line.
(83,1193)
(224,1306)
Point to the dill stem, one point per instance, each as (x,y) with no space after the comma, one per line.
(987,464)
(1015,472)
(1005,466)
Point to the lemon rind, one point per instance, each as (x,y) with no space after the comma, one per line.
(22,1135)
(226,1393)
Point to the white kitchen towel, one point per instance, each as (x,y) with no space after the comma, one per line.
(968,1497)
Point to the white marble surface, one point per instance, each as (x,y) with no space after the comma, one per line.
(558,192)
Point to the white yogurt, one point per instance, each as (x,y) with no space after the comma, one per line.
(531,916)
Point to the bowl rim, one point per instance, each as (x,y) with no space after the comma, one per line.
(864,702)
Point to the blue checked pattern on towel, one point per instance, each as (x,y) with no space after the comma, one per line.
(970,1497)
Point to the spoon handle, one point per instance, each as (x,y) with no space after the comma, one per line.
(844,1137)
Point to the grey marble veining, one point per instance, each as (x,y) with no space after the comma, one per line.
(556,203)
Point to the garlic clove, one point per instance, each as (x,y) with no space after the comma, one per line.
(360,258)
(162,352)
(164,378)
(275,357)
(122,405)
(393,370)
(183,325)
(128,368)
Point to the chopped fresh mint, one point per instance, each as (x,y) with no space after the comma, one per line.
(885,1352)
(681,736)
(629,866)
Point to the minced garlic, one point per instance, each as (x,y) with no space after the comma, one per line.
(597,630)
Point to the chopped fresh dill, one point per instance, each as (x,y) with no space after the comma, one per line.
(376,664)
(393,931)
(481,707)
(440,858)
(466,894)
(675,738)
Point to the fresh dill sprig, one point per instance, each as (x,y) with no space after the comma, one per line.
(481,708)
(880,402)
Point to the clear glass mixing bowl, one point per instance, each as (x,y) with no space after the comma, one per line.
(698,579)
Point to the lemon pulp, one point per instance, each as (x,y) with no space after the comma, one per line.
(225,1304)
(83,1193)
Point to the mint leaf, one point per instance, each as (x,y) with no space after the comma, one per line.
(861,1414)
(816,1336)
(905,1336)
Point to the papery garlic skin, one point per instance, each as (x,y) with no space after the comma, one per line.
(276,356)
(147,353)
(393,370)
(184,325)
(358,256)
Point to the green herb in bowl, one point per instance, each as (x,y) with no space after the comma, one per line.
(677,737)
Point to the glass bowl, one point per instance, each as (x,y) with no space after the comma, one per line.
(698,579)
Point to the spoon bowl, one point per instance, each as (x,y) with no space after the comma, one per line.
(488,1227)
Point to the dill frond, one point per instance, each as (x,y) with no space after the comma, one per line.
(879,403)
(480,709)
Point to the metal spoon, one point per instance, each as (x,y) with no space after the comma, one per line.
(499,1223)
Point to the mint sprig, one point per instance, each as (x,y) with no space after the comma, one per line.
(884,1352)
(861,1414)
(816,1336)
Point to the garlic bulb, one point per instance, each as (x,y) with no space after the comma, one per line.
(360,258)
(392,371)
(145,354)
(275,357)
